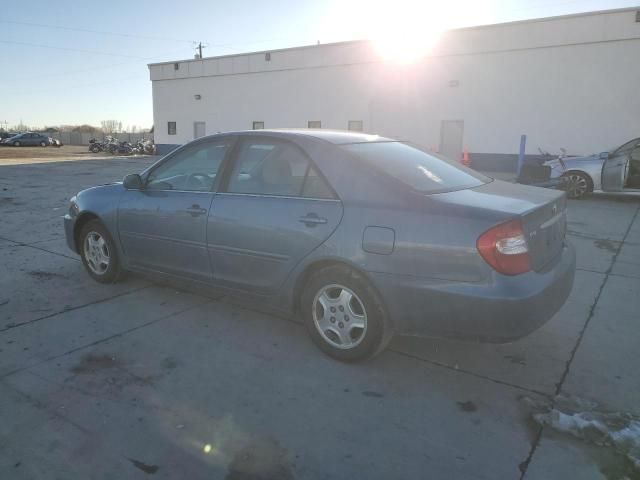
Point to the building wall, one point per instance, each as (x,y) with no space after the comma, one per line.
(567,82)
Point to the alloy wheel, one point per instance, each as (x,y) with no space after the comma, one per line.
(578,185)
(96,253)
(339,316)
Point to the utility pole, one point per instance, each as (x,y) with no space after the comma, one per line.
(200,47)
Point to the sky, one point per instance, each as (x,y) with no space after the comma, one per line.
(69,62)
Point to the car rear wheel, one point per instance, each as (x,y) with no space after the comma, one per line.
(16,144)
(99,254)
(578,184)
(344,314)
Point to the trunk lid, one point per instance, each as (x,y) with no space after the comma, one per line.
(545,228)
(542,213)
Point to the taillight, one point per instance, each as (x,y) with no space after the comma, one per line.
(504,247)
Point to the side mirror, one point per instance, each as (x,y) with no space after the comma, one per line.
(604,155)
(133,181)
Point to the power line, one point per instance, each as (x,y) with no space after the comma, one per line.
(90,69)
(82,85)
(93,52)
(100,32)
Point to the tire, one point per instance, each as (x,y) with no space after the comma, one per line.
(99,253)
(94,149)
(579,184)
(353,301)
(43,144)
(16,144)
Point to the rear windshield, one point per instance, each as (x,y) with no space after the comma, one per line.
(416,168)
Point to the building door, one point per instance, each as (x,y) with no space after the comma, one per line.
(451,134)
(199,129)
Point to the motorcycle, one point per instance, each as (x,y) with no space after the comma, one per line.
(148,147)
(95,146)
(143,147)
(120,148)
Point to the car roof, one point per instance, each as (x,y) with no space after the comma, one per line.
(337,137)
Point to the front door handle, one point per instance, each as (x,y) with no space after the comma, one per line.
(196,210)
(312,219)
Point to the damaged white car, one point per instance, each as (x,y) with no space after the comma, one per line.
(614,171)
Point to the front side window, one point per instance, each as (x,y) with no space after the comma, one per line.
(171,128)
(268,167)
(417,169)
(193,169)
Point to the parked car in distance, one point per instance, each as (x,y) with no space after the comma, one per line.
(28,139)
(5,135)
(359,236)
(615,171)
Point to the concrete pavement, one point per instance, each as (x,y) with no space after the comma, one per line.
(138,380)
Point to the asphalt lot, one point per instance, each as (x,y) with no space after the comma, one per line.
(137,380)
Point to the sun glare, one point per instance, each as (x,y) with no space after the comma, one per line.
(409,31)
(401,31)
(400,47)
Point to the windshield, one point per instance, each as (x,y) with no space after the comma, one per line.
(626,147)
(422,171)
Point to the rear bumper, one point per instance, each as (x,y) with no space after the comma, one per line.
(68,232)
(500,310)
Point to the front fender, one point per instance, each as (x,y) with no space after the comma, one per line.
(98,202)
(589,166)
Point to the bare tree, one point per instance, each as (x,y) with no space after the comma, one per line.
(111,126)
(21,127)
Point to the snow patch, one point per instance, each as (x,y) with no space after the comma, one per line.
(618,430)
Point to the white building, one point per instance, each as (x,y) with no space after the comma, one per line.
(571,81)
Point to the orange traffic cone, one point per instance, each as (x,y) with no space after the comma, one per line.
(465,158)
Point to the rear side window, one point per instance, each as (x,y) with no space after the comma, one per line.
(415,168)
(267,167)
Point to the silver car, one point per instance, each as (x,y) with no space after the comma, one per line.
(615,171)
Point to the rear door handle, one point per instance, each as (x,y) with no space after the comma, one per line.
(196,210)
(312,219)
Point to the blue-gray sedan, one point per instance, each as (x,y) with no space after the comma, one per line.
(361,237)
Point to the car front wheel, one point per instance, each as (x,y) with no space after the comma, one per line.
(16,144)
(578,184)
(344,314)
(43,144)
(99,254)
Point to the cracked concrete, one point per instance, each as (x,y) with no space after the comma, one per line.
(136,379)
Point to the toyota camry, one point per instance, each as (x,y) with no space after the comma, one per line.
(360,237)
